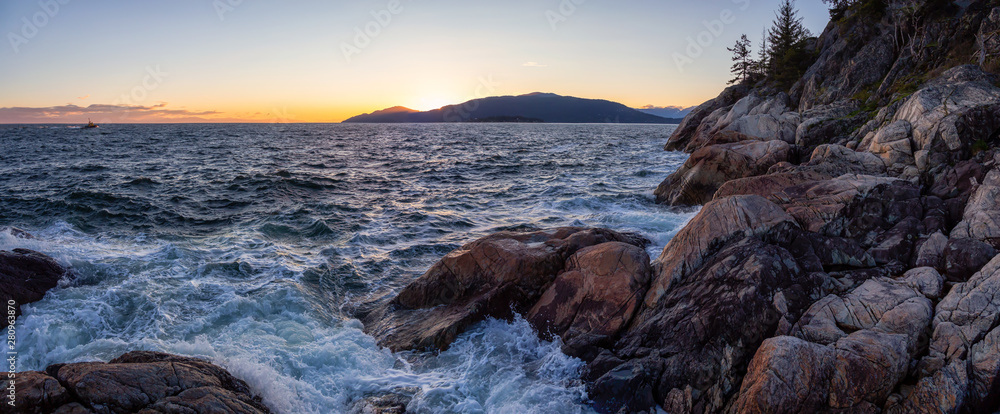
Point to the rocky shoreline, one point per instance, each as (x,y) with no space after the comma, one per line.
(845,258)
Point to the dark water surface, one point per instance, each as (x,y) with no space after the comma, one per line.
(243,243)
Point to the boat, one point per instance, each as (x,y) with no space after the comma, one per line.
(90,124)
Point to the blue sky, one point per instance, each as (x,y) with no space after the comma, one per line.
(261,60)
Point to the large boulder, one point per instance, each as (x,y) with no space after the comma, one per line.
(766,185)
(951,113)
(595,298)
(720,221)
(981,220)
(494,276)
(964,257)
(892,143)
(708,168)
(25,277)
(137,382)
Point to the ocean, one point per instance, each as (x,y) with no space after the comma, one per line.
(247,244)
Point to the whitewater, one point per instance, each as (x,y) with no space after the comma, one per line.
(248,244)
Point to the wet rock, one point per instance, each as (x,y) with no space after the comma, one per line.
(595,298)
(708,168)
(981,220)
(964,257)
(494,276)
(26,275)
(146,382)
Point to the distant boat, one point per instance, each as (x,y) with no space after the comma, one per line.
(90,124)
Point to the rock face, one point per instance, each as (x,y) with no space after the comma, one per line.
(137,382)
(491,277)
(981,220)
(26,275)
(595,297)
(708,168)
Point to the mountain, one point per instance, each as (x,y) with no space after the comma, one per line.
(677,112)
(544,107)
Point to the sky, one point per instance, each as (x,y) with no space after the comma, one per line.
(118,61)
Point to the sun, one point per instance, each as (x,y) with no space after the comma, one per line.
(428,103)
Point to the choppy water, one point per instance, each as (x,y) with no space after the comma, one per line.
(244,243)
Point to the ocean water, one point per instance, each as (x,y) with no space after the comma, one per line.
(245,244)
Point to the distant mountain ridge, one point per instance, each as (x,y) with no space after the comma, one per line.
(666,111)
(533,107)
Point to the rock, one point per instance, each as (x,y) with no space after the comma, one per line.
(957,181)
(944,392)
(826,124)
(686,346)
(925,280)
(965,332)
(836,160)
(595,298)
(494,276)
(951,112)
(837,207)
(16,232)
(879,304)
(964,257)
(892,145)
(137,382)
(718,222)
(708,168)
(932,251)
(766,185)
(981,220)
(787,375)
(394,402)
(895,247)
(25,277)
(688,128)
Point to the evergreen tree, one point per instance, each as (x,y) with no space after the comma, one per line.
(787,55)
(743,64)
(760,66)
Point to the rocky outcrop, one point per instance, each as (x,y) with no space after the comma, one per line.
(26,275)
(691,127)
(494,276)
(981,220)
(595,297)
(137,382)
(708,168)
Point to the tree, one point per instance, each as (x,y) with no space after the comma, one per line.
(743,64)
(760,66)
(787,55)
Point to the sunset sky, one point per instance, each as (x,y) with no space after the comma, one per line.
(304,61)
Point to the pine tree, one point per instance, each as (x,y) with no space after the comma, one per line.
(760,66)
(787,54)
(743,64)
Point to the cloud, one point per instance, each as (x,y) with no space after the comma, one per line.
(678,108)
(103,113)
(534,65)
(83,97)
